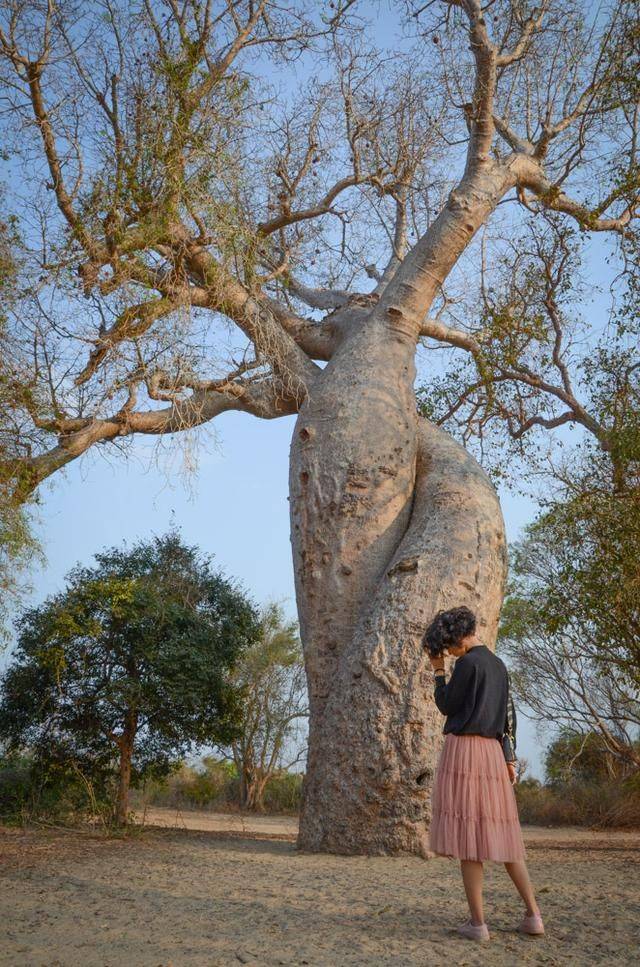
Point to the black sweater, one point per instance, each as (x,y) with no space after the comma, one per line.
(475,698)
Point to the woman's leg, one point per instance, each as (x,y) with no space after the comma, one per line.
(472,875)
(520,876)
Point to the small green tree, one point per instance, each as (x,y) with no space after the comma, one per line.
(271,675)
(119,674)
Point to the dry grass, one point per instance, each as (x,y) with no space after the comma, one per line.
(596,805)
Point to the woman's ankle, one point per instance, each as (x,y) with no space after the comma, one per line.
(533,910)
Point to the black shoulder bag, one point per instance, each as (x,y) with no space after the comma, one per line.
(509,738)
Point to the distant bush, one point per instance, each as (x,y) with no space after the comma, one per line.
(29,793)
(597,804)
(283,793)
(215,785)
(586,759)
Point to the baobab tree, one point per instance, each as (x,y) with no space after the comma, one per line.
(201,240)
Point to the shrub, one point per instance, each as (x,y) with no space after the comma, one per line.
(32,792)
(283,793)
(214,784)
(15,787)
(600,805)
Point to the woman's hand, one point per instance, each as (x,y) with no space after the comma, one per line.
(437,662)
(513,775)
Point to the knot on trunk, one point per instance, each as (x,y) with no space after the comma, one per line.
(407,564)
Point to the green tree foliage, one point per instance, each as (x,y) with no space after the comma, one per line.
(126,668)
(579,570)
(18,550)
(271,676)
(18,546)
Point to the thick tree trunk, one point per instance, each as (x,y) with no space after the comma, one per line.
(252,786)
(391,520)
(124,782)
(255,795)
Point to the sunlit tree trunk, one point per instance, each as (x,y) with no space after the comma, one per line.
(124,775)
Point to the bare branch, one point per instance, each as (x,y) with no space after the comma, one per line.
(78,435)
(551,197)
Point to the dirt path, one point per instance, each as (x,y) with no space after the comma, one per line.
(288,826)
(218,822)
(218,898)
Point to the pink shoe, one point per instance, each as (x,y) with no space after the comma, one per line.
(532,925)
(473,932)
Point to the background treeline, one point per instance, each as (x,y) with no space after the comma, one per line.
(216,785)
(583,786)
(578,791)
(28,795)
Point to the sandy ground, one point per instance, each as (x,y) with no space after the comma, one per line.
(220,822)
(222,895)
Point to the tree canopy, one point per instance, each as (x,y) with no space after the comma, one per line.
(209,194)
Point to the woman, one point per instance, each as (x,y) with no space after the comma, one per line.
(474,811)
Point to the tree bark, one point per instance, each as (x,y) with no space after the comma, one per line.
(255,798)
(391,520)
(252,787)
(124,779)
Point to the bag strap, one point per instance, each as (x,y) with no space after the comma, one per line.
(510,710)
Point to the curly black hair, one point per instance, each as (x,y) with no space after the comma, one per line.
(447,629)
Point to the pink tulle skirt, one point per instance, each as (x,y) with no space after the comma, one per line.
(474,811)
